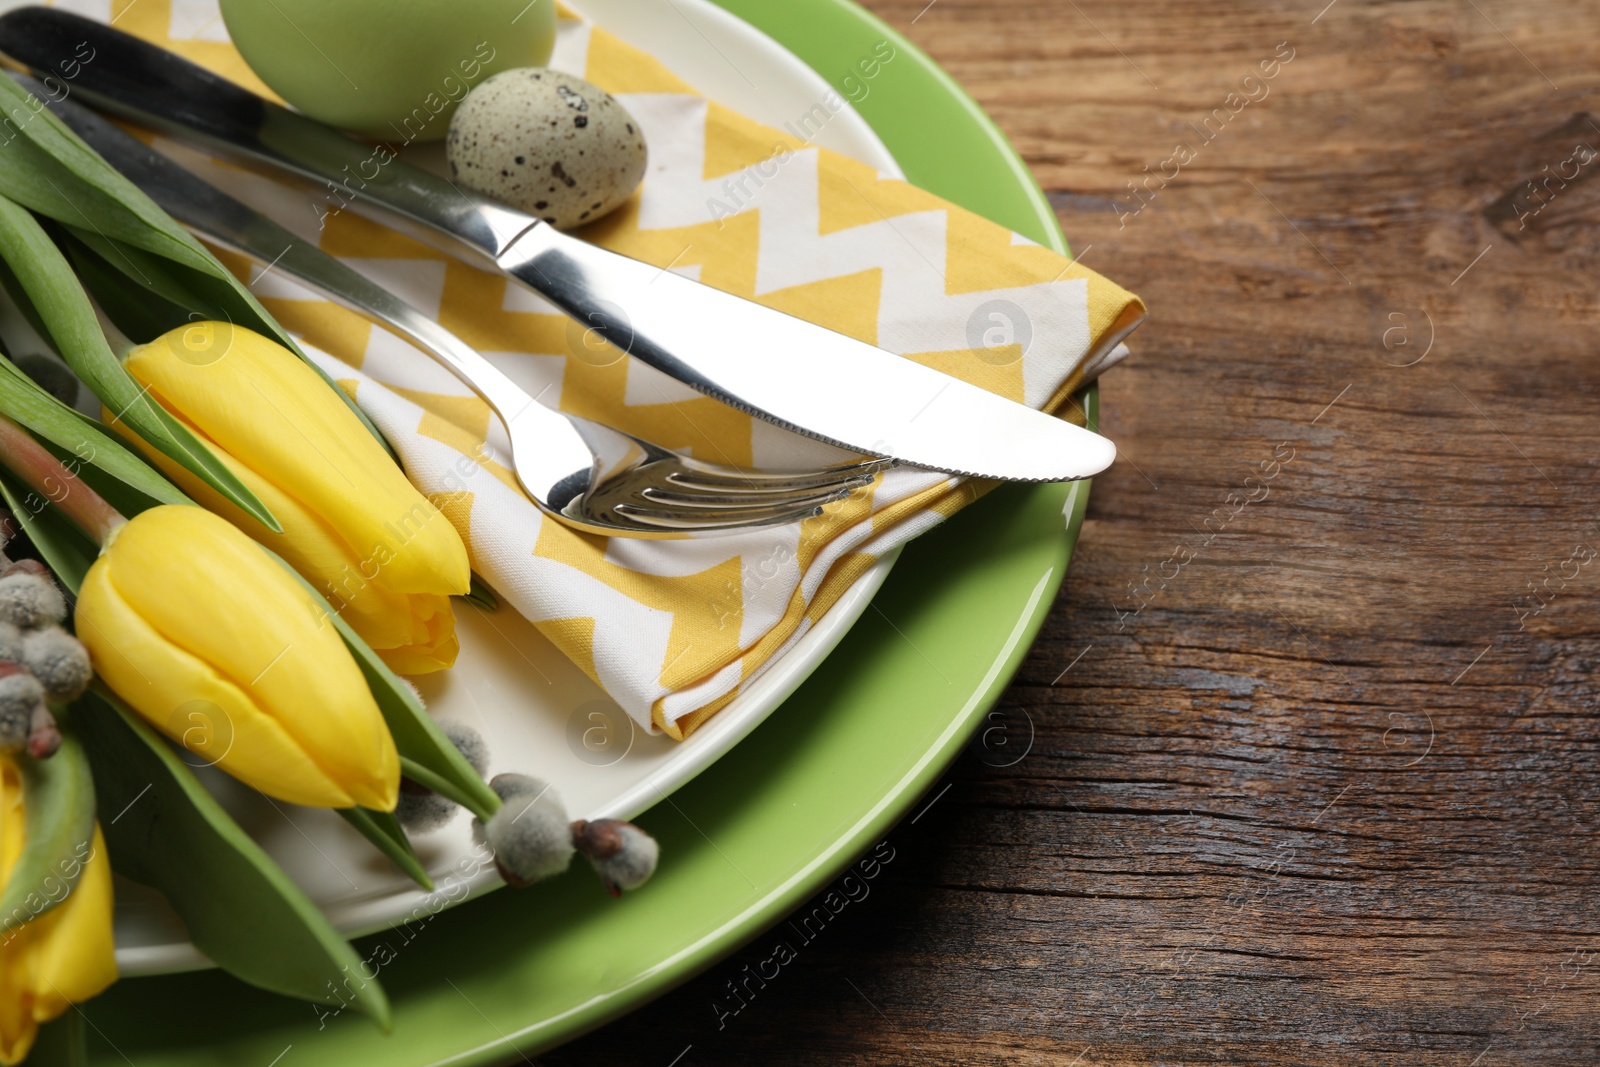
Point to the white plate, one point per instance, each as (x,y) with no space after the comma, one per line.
(539,713)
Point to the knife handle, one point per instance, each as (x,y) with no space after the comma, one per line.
(156,88)
(218,217)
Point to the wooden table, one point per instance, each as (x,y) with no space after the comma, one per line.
(1326,792)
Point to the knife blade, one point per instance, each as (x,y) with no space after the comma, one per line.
(771,365)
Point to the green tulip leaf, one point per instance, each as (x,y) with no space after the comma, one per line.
(80,442)
(142,314)
(170,281)
(67,550)
(199,295)
(58,807)
(24,306)
(50,170)
(71,324)
(240,908)
(384,831)
(423,747)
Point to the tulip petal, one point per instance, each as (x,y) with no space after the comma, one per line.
(74,954)
(63,957)
(417,629)
(431,644)
(13,819)
(253,642)
(267,408)
(181,696)
(17,1027)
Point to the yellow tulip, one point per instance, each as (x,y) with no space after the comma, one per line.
(221,649)
(62,957)
(353,525)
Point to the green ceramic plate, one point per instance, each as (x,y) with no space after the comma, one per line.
(819,783)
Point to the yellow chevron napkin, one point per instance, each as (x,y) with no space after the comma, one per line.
(673,630)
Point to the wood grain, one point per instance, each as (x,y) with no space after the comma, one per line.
(1321,783)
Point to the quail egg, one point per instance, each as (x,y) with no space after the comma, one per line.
(548,143)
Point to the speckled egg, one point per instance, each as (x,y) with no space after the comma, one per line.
(548,143)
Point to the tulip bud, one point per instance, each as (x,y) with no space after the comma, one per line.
(61,957)
(530,834)
(379,551)
(217,646)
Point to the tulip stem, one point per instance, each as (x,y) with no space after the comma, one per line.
(56,483)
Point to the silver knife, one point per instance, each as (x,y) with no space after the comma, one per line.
(770,365)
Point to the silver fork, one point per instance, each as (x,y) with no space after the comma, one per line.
(589,476)
(586,474)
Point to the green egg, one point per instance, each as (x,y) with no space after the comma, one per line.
(394,69)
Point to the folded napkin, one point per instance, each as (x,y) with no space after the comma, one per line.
(673,630)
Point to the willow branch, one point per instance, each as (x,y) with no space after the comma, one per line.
(55,482)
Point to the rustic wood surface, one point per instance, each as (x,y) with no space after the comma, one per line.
(1321,783)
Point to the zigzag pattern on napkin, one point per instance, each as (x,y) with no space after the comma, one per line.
(674,630)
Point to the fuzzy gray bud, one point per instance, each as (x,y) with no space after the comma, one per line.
(623,855)
(20,696)
(10,642)
(28,600)
(420,809)
(469,743)
(530,834)
(59,661)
